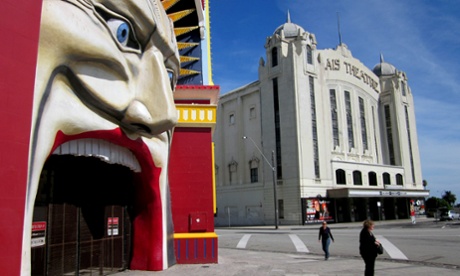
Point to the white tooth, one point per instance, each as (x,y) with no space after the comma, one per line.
(73,147)
(64,149)
(81,147)
(101,149)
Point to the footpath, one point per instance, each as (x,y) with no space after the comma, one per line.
(248,262)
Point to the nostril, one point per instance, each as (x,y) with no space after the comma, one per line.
(142,127)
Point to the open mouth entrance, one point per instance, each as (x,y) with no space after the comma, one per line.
(82,217)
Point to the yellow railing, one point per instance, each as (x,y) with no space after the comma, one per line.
(196,115)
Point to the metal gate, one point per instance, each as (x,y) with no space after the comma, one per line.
(81,223)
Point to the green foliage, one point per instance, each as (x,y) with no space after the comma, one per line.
(435,203)
(450,198)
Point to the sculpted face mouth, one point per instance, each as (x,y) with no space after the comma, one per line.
(104,81)
(103,150)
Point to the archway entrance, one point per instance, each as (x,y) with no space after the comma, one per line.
(81,223)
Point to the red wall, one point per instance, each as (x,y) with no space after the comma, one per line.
(190,175)
(19,25)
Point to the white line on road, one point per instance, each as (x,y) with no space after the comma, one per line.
(243,242)
(299,245)
(391,249)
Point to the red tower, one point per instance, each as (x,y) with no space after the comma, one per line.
(191,175)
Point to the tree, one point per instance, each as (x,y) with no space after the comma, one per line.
(435,203)
(449,197)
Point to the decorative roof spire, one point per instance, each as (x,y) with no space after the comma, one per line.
(338,29)
(288,17)
(381,58)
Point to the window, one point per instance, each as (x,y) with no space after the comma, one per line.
(309,55)
(254,175)
(372,179)
(231,119)
(362,115)
(274,56)
(314,126)
(399,179)
(254,169)
(391,150)
(351,138)
(340,176)
(357,178)
(276,111)
(386,179)
(409,140)
(334,117)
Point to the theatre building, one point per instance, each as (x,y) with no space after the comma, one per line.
(343,139)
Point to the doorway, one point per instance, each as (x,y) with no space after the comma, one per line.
(82,217)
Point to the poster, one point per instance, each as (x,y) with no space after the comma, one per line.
(38,233)
(112,226)
(317,210)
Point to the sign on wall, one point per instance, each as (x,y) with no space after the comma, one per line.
(112,226)
(38,233)
(317,210)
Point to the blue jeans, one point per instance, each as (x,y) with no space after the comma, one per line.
(326,243)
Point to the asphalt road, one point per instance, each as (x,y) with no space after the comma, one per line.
(428,241)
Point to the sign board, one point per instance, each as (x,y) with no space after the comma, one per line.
(112,226)
(38,233)
(317,210)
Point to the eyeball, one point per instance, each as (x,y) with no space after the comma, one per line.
(120,30)
(172,79)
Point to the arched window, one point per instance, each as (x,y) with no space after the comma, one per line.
(309,55)
(357,178)
(340,176)
(274,56)
(399,179)
(372,179)
(254,169)
(232,167)
(386,179)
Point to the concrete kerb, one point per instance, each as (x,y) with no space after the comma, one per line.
(343,225)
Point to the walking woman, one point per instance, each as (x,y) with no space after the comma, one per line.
(368,247)
(325,236)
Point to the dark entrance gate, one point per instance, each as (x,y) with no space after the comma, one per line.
(84,205)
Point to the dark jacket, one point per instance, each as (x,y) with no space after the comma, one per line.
(367,246)
(325,233)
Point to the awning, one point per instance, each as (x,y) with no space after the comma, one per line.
(353,192)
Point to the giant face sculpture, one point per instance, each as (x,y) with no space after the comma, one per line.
(105,74)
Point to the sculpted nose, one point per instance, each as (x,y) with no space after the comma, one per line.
(141,119)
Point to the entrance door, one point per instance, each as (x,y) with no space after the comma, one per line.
(84,207)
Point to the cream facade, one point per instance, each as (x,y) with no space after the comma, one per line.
(343,137)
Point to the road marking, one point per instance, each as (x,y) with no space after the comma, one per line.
(243,242)
(299,245)
(391,249)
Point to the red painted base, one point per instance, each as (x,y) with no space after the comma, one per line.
(196,250)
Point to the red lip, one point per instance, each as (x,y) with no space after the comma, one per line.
(114,136)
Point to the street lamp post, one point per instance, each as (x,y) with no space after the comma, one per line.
(273,167)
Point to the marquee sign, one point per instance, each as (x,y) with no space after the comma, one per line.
(350,69)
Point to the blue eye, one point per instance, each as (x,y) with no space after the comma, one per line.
(172,79)
(120,30)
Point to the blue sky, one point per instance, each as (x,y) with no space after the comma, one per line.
(419,37)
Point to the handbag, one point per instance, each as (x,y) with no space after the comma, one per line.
(380,249)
